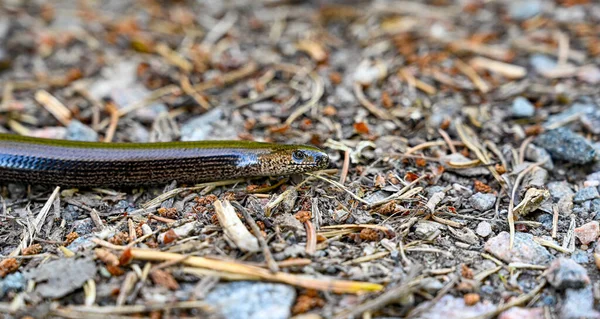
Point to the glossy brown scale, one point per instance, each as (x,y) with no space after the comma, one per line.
(69,163)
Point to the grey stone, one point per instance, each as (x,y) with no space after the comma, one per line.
(565,273)
(521,108)
(525,249)
(484,229)
(450,307)
(579,303)
(585,194)
(580,256)
(83,226)
(200,127)
(12,282)
(523,10)
(542,62)
(574,110)
(563,144)
(77,131)
(482,202)
(245,300)
(538,154)
(433,189)
(424,229)
(58,278)
(560,190)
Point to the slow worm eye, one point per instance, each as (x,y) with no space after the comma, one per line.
(298,156)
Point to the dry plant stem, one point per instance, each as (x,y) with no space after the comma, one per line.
(186,86)
(393,294)
(472,75)
(339,286)
(271,263)
(398,194)
(38,223)
(360,95)
(515,302)
(174,192)
(448,140)
(339,186)
(311,237)
(511,204)
(114,122)
(428,145)
(510,71)
(174,58)
(523,149)
(345,167)
(555,214)
(133,309)
(318,90)
(54,106)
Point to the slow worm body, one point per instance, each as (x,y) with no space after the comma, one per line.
(84,164)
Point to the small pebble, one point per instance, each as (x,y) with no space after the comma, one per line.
(563,144)
(523,10)
(484,229)
(565,273)
(542,63)
(589,73)
(520,313)
(525,249)
(521,108)
(368,72)
(450,307)
(586,194)
(537,154)
(482,202)
(77,131)
(588,233)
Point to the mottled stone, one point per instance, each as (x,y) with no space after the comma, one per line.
(585,194)
(482,201)
(77,131)
(588,233)
(12,282)
(525,249)
(560,190)
(564,144)
(565,273)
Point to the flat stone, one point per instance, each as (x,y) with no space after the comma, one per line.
(523,10)
(588,233)
(542,63)
(12,282)
(537,154)
(245,299)
(522,108)
(520,313)
(58,278)
(563,144)
(525,249)
(565,273)
(482,201)
(585,194)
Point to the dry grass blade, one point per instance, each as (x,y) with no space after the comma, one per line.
(511,204)
(472,144)
(318,90)
(234,228)
(510,71)
(54,106)
(325,284)
(339,186)
(174,192)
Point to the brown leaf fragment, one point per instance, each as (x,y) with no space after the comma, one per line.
(307,301)
(115,270)
(119,239)
(70,238)
(32,250)
(481,187)
(8,266)
(303,216)
(163,278)
(125,257)
(369,234)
